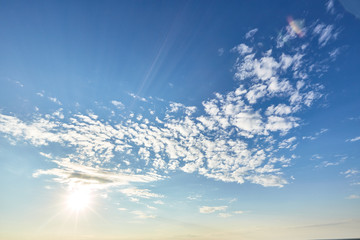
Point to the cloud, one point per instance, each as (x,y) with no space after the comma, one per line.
(159,202)
(288,143)
(353,139)
(225,215)
(353,196)
(330,6)
(142,215)
(118,104)
(207,209)
(316,157)
(251,33)
(238,212)
(242,49)
(138,97)
(55,100)
(316,135)
(350,173)
(74,174)
(19,83)
(143,193)
(325,33)
(233,137)
(220,51)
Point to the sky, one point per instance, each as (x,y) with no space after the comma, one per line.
(197,120)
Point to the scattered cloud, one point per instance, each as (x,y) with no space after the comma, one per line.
(288,143)
(340,159)
(316,135)
(118,104)
(325,33)
(142,215)
(142,193)
(232,137)
(194,197)
(19,83)
(350,173)
(138,97)
(207,209)
(55,100)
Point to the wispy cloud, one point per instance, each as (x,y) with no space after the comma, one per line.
(325,33)
(142,215)
(55,100)
(143,193)
(251,33)
(117,104)
(221,51)
(330,6)
(207,209)
(138,97)
(316,135)
(353,139)
(353,196)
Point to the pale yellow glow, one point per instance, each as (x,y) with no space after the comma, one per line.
(79,200)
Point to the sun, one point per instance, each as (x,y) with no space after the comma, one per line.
(79,200)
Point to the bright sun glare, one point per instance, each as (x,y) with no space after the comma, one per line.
(79,200)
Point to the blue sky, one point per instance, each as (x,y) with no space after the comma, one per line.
(179,119)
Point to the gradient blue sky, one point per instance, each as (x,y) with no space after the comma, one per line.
(180,119)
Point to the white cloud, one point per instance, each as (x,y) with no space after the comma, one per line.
(19,83)
(330,6)
(280,110)
(118,104)
(242,49)
(288,143)
(251,33)
(55,100)
(220,141)
(142,215)
(325,33)
(138,97)
(143,193)
(350,173)
(334,53)
(353,139)
(316,157)
(316,135)
(159,202)
(268,180)
(284,36)
(207,209)
(225,215)
(239,212)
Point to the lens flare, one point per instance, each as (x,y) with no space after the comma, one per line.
(79,200)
